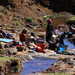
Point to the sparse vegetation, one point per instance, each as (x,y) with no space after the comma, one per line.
(46,17)
(2,59)
(57,74)
(5,12)
(2,51)
(52,16)
(9,7)
(17,23)
(29,19)
(71,20)
(43,25)
(57,16)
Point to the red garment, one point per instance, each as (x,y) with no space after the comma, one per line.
(23,37)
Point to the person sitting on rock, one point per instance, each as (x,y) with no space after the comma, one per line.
(30,41)
(23,37)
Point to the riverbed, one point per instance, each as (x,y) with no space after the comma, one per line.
(36,65)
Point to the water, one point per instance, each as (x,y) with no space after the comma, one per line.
(70,45)
(34,66)
(58,20)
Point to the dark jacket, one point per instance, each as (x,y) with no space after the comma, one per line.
(49,30)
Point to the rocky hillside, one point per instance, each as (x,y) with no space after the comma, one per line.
(14,13)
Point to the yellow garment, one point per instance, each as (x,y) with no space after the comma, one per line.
(2,43)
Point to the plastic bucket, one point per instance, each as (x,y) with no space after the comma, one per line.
(41,49)
(61,49)
(63,46)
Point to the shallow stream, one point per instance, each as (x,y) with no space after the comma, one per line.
(36,65)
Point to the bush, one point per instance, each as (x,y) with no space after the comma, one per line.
(17,23)
(9,7)
(45,17)
(29,19)
(71,21)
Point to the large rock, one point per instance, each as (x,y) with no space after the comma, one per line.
(12,51)
(10,65)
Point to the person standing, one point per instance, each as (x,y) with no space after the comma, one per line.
(49,31)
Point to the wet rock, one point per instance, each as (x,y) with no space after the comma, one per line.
(12,51)
(24,57)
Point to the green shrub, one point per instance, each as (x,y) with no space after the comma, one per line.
(5,12)
(2,51)
(71,20)
(57,15)
(9,7)
(29,19)
(17,23)
(52,16)
(45,17)
(43,25)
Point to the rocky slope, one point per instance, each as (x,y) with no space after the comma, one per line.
(13,13)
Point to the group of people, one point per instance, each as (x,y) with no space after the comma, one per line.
(52,35)
(26,40)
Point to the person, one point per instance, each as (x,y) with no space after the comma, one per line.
(62,36)
(49,31)
(72,29)
(2,34)
(23,37)
(31,44)
(30,41)
(56,32)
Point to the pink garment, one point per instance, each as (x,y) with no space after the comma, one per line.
(29,41)
(56,32)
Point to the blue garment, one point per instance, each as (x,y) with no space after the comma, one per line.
(69,32)
(8,35)
(5,40)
